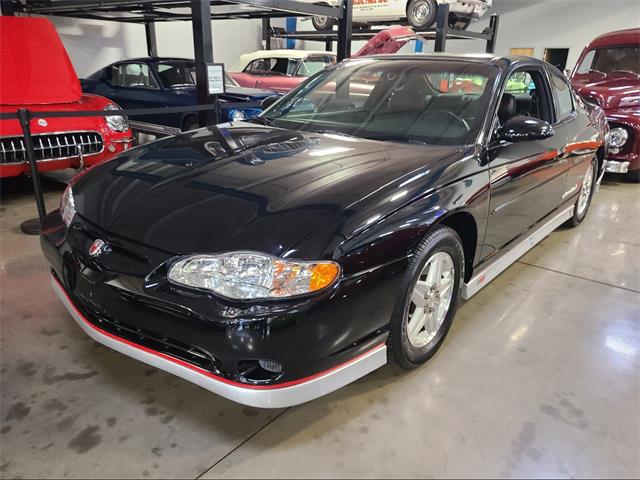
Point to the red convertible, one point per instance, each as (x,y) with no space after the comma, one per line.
(608,74)
(37,74)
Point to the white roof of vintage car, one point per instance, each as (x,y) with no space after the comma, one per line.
(246,58)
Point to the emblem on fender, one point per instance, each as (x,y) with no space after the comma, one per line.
(98,247)
(42,122)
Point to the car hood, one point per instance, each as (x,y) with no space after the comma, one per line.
(242,186)
(611,92)
(232,94)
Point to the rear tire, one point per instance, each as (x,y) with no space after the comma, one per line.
(586,194)
(421,13)
(428,300)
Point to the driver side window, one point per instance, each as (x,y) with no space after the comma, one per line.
(525,94)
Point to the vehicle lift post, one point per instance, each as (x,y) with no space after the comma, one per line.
(203,50)
(345,28)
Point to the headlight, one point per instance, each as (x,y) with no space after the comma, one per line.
(618,137)
(67,206)
(117,123)
(237,115)
(248,275)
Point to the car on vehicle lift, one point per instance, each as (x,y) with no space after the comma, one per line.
(36,74)
(276,260)
(419,14)
(608,74)
(153,82)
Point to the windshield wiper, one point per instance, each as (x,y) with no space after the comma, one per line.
(263,121)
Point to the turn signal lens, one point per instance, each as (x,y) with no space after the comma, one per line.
(249,275)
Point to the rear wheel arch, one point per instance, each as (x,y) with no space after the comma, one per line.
(187,121)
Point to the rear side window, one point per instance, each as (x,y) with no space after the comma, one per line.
(563,97)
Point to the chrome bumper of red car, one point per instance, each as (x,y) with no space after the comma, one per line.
(273,396)
(614,166)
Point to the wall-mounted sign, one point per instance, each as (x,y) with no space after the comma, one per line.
(215,75)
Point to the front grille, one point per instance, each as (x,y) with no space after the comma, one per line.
(51,146)
(159,343)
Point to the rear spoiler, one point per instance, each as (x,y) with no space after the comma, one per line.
(388,41)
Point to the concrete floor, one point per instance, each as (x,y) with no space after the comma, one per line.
(539,377)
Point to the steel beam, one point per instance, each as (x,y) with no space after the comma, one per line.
(150,34)
(203,52)
(345,27)
(442,28)
(494,21)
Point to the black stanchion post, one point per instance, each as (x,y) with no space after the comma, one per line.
(32,226)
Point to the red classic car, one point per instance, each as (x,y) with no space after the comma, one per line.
(37,74)
(279,70)
(608,74)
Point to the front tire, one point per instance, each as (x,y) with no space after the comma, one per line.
(586,194)
(421,13)
(323,24)
(427,304)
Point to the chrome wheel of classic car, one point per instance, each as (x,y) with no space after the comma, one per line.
(430,299)
(421,13)
(424,312)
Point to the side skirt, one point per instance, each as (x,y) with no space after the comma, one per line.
(515,251)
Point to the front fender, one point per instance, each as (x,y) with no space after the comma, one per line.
(396,236)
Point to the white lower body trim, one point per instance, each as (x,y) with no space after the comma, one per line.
(288,395)
(514,252)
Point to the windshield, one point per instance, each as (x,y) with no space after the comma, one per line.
(183,74)
(611,60)
(434,102)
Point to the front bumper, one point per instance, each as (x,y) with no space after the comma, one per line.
(14,169)
(323,343)
(614,166)
(272,396)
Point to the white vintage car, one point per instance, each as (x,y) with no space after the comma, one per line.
(419,14)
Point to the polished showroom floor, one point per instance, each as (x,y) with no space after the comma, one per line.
(540,376)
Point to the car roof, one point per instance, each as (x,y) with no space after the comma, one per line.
(630,36)
(501,61)
(284,53)
(155,59)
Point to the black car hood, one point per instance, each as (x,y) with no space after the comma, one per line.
(251,187)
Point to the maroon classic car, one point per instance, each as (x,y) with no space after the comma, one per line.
(608,73)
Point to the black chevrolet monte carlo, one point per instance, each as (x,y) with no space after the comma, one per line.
(277,260)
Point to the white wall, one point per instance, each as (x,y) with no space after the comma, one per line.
(541,24)
(94,44)
(538,24)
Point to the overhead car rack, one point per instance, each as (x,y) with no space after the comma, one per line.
(440,34)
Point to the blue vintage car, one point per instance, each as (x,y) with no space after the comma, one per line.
(168,82)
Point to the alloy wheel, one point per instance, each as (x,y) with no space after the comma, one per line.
(585,192)
(430,299)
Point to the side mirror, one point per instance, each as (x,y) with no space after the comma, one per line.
(522,129)
(267,102)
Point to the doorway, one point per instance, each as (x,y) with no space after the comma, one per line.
(556,57)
